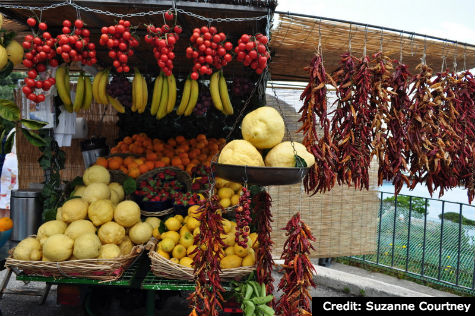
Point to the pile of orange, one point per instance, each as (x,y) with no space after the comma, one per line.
(5,224)
(179,152)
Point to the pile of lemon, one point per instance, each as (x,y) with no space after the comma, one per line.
(228,192)
(177,244)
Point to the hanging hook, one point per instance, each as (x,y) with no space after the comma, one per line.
(365,39)
(442,67)
(319,48)
(423,59)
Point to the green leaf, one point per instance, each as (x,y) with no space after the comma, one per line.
(33,124)
(49,215)
(300,162)
(129,185)
(9,111)
(33,138)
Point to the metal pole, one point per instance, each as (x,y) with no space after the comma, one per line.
(424,238)
(408,234)
(441,240)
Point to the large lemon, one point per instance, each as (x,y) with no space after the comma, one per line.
(173,224)
(28,249)
(73,210)
(127,213)
(263,127)
(111,233)
(163,254)
(249,260)
(241,152)
(229,262)
(154,221)
(187,262)
(240,251)
(126,246)
(96,174)
(283,155)
(192,223)
(100,212)
(50,228)
(117,188)
(140,233)
(3,57)
(96,191)
(189,251)
(192,211)
(87,246)
(109,251)
(78,228)
(58,247)
(229,251)
(225,193)
(15,52)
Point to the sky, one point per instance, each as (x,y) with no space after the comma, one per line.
(450,19)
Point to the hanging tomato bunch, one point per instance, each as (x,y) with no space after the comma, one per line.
(208,49)
(120,42)
(39,53)
(252,51)
(76,45)
(163,40)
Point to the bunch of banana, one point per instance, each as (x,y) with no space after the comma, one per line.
(219,93)
(83,98)
(139,92)
(63,86)
(99,91)
(189,97)
(164,96)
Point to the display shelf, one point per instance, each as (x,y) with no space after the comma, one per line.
(152,282)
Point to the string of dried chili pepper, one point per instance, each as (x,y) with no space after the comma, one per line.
(243,218)
(207,298)
(264,263)
(297,268)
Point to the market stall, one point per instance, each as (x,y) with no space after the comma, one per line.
(183,163)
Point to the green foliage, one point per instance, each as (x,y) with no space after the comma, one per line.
(455,217)
(8,84)
(404,202)
(130,185)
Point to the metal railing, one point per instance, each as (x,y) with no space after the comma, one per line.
(428,239)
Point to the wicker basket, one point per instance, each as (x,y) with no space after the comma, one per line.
(164,268)
(105,270)
(117,176)
(157,214)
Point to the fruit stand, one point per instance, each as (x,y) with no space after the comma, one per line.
(181,201)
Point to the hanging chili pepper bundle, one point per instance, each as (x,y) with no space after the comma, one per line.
(322,176)
(262,204)
(297,268)
(243,218)
(207,298)
(394,163)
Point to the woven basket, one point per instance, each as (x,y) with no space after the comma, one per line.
(164,268)
(105,270)
(181,176)
(157,214)
(117,176)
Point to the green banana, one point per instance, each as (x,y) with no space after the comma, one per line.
(193,98)
(162,109)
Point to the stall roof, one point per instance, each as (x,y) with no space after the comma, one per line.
(295,40)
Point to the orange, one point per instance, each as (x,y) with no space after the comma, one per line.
(124,169)
(171,142)
(201,137)
(151,156)
(202,157)
(138,161)
(134,172)
(114,164)
(165,160)
(189,167)
(181,167)
(143,168)
(128,160)
(158,147)
(128,140)
(150,165)
(101,161)
(180,139)
(132,165)
(5,224)
(176,161)
(114,150)
(159,164)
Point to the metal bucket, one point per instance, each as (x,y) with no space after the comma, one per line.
(25,211)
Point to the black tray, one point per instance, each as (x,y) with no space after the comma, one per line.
(260,175)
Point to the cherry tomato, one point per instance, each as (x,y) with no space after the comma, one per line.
(31,22)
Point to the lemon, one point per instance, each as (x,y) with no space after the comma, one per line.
(156,233)
(184,230)
(235,199)
(229,251)
(179,252)
(192,224)
(167,244)
(172,235)
(163,254)
(229,262)
(240,152)
(186,240)
(234,186)
(240,251)
(189,250)
(175,260)
(192,211)
(172,224)
(229,239)
(263,127)
(220,182)
(225,193)
(154,221)
(225,202)
(254,242)
(283,155)
(249,260)
(227,226)
(186,261)
(179,218)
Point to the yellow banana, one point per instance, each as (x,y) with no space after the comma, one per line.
(116,104)
(193,98)
(95,87)
(223,92)
(214,90)
(144,95)
(79,98)
(61,87)
(185,97)
(162,109)
(87,94)
(171,93)
(157,92)
(103,88)
(134,95)
(138,90)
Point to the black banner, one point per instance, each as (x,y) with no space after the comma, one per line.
(461,305)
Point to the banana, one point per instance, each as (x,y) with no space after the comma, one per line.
(79,98)
(157,92)
(171,93)
(185,97)
(87,94)
(61,87)
(144,95)
(138,90)
(134,95)
(162,109)
(116,104)
(214,89)
(223,92)
(95,86)
(193,98)
(103,88)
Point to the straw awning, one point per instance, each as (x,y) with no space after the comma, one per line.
(296,38)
